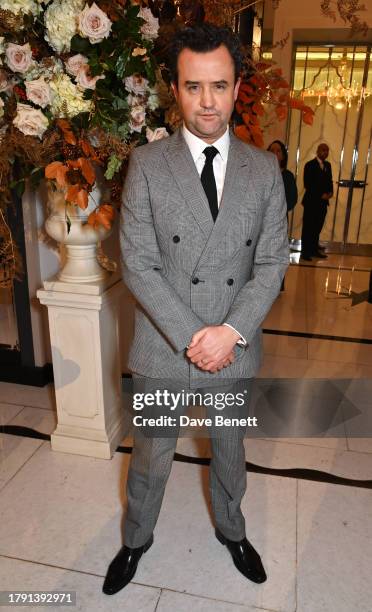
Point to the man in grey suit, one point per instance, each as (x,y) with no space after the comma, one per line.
(204,251)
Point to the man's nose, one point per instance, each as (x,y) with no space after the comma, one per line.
(206,98)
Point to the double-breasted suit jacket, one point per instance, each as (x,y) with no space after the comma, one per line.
(186,271)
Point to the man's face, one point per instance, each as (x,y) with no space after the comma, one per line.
(206,92)
(322,151)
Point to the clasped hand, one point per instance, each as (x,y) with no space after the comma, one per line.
(211,348)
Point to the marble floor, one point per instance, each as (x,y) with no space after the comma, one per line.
(308,505)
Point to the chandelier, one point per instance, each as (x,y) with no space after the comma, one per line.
(339,92)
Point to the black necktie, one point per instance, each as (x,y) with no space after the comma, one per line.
(208,180)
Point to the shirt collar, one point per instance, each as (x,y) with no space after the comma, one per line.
(197,145)
(320,161)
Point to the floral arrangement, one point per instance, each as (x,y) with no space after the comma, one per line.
(79,88)
(263,87)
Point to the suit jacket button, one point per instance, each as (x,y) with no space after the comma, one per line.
(195,281)
(249,242)
(176,238)
(230,281)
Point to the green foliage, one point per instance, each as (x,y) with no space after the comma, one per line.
(113,166)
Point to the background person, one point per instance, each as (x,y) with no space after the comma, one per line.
(291,195)
(318,191)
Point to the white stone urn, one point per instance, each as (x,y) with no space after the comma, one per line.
(81,242)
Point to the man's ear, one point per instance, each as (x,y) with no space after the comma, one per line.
(236,88)
(174,89)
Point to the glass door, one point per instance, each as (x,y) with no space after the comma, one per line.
(336,82)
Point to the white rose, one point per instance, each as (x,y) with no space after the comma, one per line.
(156,134)
(136,84)
(85,80)
(94,24)
(19,57)
(150,28)
(60,20)
(20,6)
(137,118)
(39,92)
(74,64)
(69,99)
(30,121)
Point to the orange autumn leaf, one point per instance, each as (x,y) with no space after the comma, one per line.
(57,170)
(87,170)
(258,140)
(89,151)
(308,118)
(103,216)
(67,132)
(82,199)
(246,88)
(239,107)
(258,109)
(295,103)
(86,147)
(281,112)
(76,195)
(244,98)
(242,132)
(71,193)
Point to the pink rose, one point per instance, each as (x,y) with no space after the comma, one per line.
(74,64)
(39,92)
(156,134)
(150,28)
(85,80)
(94,24)
(137,118)
(19,57)
(30,121)
(136,84)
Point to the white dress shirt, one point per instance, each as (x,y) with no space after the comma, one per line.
(321,162)
(197,146)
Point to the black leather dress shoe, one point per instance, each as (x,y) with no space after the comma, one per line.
(320,255)
(305,257)
(123,567)
(245,558)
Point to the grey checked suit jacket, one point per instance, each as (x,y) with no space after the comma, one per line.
(186,271)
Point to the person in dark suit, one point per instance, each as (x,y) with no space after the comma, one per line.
(318,191)
(204,249)
(279,149)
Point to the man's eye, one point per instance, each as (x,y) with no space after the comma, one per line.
(220,86)
(192,87)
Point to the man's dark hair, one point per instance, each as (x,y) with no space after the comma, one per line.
(201,38)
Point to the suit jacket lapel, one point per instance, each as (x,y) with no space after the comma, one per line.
(186,176)
(239,173)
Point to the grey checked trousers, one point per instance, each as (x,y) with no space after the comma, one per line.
(151,463)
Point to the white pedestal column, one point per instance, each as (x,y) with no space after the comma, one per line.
(84,334)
